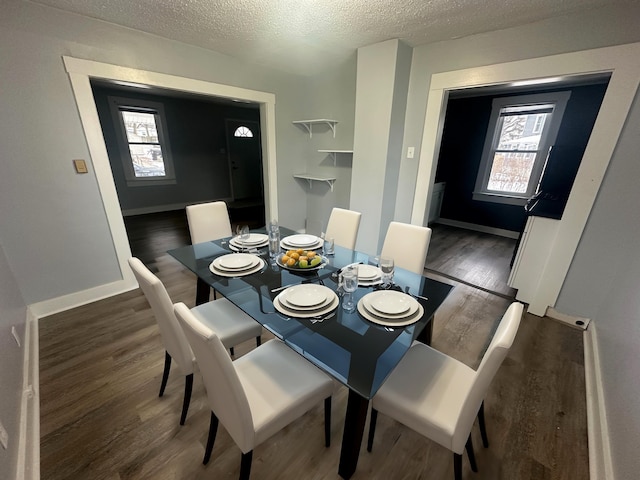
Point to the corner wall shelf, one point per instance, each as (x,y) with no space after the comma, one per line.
(334,153)
(318,178)
(308,124)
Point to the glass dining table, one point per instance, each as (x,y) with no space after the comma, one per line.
(356,352)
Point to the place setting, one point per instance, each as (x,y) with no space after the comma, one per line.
(236,265)
(301,241)
(369,275)
(245,241)
(308,301)
(390,308)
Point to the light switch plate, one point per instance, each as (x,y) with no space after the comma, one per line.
(4,437)
(80,166)
(410,152)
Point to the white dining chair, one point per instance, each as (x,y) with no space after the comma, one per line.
(407,244)
(233,325)
(208,221)
(343,227)
(439,397)
(256,395)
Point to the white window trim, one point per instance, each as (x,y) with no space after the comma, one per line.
(115,104)
(548,138)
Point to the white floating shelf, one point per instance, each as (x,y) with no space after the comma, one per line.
(308,124)
(334,153)
(317,178)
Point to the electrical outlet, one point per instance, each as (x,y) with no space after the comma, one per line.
(4,437)
(410,152)
(15,334)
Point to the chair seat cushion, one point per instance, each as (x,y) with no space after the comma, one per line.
(280,386)
(426,392)
(231,324)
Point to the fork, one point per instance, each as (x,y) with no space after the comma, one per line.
(320,318)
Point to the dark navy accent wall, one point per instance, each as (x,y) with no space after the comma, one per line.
(197,136)
(465,130)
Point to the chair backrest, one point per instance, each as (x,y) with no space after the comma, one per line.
(208,221)
(226,395)
(491,361)
(407,244)
(162,307)
(343,227)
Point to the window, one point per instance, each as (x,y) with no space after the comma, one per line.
(521,131)
(243,132)
(144,148)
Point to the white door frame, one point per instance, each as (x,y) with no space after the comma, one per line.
(622,62)
(81,71)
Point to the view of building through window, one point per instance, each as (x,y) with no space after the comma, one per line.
(144,144)
(517,146)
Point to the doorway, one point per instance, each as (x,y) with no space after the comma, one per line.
(619,60)
(245,170)
(80,72)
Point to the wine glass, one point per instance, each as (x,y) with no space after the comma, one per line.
(350,285)
(243,235)
(387,267)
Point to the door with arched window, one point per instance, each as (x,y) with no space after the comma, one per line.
(245,159)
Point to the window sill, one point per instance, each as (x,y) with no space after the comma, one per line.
(151,183)
(498,198)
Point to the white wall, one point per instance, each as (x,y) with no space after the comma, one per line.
(603,284)
(59,242)
(12,313)
(613,25)
(330,95)
(381,96)
(604,280)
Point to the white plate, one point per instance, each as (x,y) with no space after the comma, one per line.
(305,296)
(301,241)
(287,246)
(335,301)
(368,272)
(390,302)
(390,322)
(237,273)
(246,248)
(254,239)
(235,261)
(369,283)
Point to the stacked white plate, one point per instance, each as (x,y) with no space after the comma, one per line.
(390,308)
(236,265)
(255,240)
(369,275)
(306,300)
(301,241)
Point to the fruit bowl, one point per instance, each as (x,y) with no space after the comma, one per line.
(301,260)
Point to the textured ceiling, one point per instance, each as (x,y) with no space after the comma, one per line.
(302,36)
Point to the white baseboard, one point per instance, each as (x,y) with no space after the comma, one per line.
(479,228)
(600,463)
(73,300)
(577,322)
(28,467)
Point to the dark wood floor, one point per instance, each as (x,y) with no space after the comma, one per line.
(475,258)
(101,418)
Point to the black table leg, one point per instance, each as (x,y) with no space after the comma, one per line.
(202,292)
(355,418)
(427,333)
